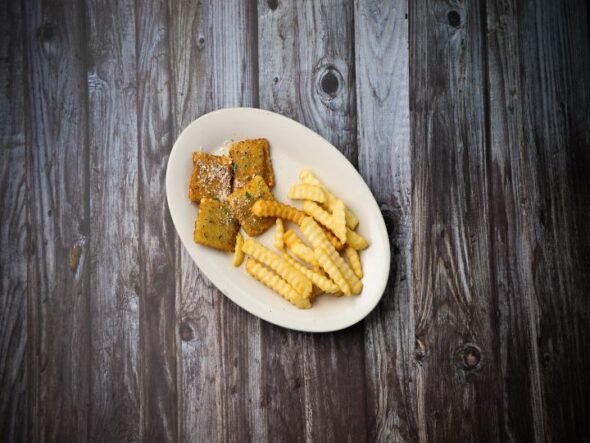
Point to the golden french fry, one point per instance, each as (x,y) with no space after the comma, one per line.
(239,254)
(306,176)
(278,241)
(271,208)
(299,249)
(277,284)
(330,267)
(335,242)
(325,218)
(275,262)
(320,280)
(314,234)
(355,261)
(306,191)
(356,241)
(339,220)
(356,285)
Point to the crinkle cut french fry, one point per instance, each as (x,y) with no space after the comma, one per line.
(271,208)
(320,280)
(339,220)
(239,253)
(355,284)
(278,240)
(299,249)
(277,284)
(306,191)
(275,262)
(314,233)
(306,176)
(356,241)
(325,218)
(330,267)
(338,245)
(318,239)
(355,261)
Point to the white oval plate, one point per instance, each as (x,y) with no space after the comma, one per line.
(293,147)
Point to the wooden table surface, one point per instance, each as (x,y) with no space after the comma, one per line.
(470,123)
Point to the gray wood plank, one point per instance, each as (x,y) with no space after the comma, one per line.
(306,72)
(457,382)
(114,240)
(157,247)
(13,228)
(383,117)
(539,119)
(57,164)
(213,49)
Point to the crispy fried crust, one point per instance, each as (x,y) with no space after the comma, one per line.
(241,202)
(215,225)
(211,177)
(251,158)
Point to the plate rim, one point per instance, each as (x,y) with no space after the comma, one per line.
(267,315)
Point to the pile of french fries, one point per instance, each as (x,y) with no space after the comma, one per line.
(326,260)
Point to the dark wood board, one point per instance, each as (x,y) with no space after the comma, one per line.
(468,120)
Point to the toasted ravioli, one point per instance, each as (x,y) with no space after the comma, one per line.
(251,158)
(241,201)
(211,178)
(216,227)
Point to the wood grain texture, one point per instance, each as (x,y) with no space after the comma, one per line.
(157,247)
(539,119)
(114,240)
(213,49)
(454,298)
(312,382)
(57,164)
(383,119)
(13,229)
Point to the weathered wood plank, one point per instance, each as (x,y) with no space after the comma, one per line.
(383,117)
(157,247)
(57,163)
(306,66)
(114,239)
(13,228)
(213,48)
(457,383)
(539,119)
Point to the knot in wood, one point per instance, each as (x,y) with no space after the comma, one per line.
(47,32)
(186,331)
(273,4)
(471,356)
(419,350)
(454,19)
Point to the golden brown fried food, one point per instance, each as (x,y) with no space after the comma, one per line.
(211,177)
(251,158)
(241,201)
(215,225)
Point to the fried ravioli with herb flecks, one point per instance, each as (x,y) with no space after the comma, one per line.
(251,158)
(241,200)
(216,226)
(211,177)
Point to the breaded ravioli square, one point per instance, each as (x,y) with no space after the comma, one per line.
(211,178)
(216,227)
(241,200)
(251,158)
